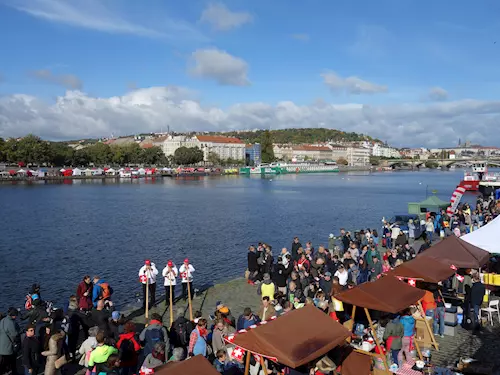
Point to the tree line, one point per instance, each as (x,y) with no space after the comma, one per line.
(301,135)
(33,151)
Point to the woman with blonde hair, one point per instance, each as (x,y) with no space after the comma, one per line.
(55,353)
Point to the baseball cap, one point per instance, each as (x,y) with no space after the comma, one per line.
(170,263)
(186,260)
(115,315)
(328,274)
(147,262)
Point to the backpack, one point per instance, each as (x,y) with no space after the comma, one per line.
(152,337)
(181,331)
(127,351)
(106,290)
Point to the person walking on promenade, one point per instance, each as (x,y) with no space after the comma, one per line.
(9,342)
(170,273)
(476,298)
(147,276)
(31,351)
(186,272)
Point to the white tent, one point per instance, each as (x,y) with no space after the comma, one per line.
(486,237)
(87,172)
(141,171)
(111,172)
(21,171)
(77,172)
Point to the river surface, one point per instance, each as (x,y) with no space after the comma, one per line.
(55,233)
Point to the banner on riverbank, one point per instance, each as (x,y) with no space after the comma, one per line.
(455,200)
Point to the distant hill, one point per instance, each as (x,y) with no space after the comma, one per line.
(301,135)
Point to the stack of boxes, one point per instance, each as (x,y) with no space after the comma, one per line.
(451,320)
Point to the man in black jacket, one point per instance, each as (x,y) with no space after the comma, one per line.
(295,247)
(31,350)
(253,265)
(476,297)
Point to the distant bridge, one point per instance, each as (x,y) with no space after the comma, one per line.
(443,163)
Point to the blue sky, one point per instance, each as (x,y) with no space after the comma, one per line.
(410,64)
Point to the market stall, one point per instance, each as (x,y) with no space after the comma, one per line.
(485,237)
(197,365)
(293,339)
(422,269)
(456,252)
(387,294)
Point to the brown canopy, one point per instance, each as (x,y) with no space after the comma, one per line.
(387,294)
(295,338)
(423,268)
(454,251)
(356,364)
(197,365)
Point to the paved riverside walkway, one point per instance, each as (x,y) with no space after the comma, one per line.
(237,294)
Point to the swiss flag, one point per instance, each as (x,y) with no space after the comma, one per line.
(143,279)
(146,371)
(412,282)
(460,278)
(238,353)
(453,267)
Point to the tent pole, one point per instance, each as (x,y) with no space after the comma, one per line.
(418,349)
(247,363)
(263,364)
(431,333)
(352,327)
(381,352)
(146,313)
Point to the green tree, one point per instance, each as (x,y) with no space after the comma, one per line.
(32,150)
(81,157)
(266,143)
(99,154)
(133,153)
(374,160)
(188,155)
(60,154)
(153,156)
(213,159)
(342,161)
(3,155)
(431,164)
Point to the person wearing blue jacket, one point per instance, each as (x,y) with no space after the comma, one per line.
(247,319)
(101,291)
(408,322)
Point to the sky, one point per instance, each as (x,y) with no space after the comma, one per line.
(410,72)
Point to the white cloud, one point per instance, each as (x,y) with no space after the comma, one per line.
(68,81)
(219,65)
(351,85)
(221,18)
(77,114)
(301,37)
(95,15)
(438,93)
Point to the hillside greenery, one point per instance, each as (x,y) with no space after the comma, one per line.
(300,135)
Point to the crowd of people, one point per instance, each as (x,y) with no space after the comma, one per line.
(88,331)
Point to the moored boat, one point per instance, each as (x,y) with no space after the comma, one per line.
(285,168)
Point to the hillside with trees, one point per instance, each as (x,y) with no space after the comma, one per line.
(300,135)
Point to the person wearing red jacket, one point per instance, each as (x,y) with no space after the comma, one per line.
(84,294)
(128,349)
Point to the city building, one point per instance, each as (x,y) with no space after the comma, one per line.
(338,151)
(302,152)
(223,147)
(358,156)
(253,154)
(380,150)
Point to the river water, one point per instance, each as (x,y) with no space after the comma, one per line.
(54,233)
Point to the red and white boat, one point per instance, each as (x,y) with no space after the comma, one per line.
(473,178)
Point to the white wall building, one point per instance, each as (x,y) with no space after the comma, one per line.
(385,151)
(358,156)
(223,147)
